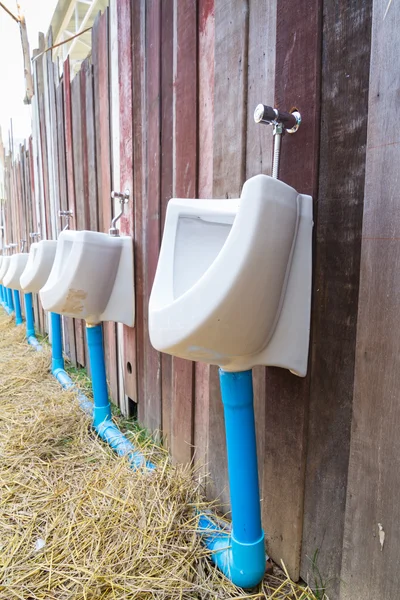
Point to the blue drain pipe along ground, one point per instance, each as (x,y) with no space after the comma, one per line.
(102,421)
(240,555)
(17,304)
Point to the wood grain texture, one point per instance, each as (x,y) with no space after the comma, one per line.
(206,41)
(78,136)
(139,187)
(369,566)
(229,167)
(104,176)
(44,168)
(124,18)
(69,162)
(260,88)
(297,83)
(151,232)
(167,55)
(185,105)
(344,113)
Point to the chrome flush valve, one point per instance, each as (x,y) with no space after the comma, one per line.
(34,235)
(123,198)
(11,247)
(282,122)
(23,244)
(66,214)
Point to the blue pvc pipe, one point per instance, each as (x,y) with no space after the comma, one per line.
(241,554)
(17,303)
(102,408)
(30,323)
(57,360)
(102,421)
(1,294)
(10,302)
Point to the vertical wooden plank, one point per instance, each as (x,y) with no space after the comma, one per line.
(184,186)
(92,218)
(139,187)
(151,233)
(344,112)
(167,42)
(371,541)
(46,223)
(260,88)
(125,150)
(206,20)
(297,76)
(104,177)
(78,155)
(229,162)
(69,161)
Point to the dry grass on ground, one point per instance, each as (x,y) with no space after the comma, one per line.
(75,521)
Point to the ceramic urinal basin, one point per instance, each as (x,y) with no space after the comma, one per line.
(233,281)
(91,278)
(38,267)
(16,266)
(5,261)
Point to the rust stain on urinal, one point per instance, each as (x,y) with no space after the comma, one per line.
(74,301)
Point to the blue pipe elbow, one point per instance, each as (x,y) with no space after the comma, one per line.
(240,555)
(243,564)
(109,432)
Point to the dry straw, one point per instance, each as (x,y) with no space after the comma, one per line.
(75,521)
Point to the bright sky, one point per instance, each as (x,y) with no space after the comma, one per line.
(38,14)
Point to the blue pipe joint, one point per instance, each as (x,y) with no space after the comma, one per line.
(110,433)
(241,554)
(101,405)
(57,360)
(17,303)
(243,564)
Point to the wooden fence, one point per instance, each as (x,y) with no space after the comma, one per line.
(163,107)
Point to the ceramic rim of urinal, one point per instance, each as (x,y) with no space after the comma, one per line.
(91,278)
(39,265)
(16,267)
(230,315)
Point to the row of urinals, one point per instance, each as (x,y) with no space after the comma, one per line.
(232,286)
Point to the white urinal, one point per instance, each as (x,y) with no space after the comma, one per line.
(37,269)
(15,269)
(233,281)
(5,261)
(91,278)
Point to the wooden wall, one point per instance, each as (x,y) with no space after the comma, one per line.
(163,107)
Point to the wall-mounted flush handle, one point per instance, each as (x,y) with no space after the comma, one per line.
(123,198)
(66,214)
(23,244)
(34,235)
(282,122)
(11,247)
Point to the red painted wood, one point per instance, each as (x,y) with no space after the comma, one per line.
(69,162)
(297,83)
(78,136)
(205,190)
(151,220)
(167,39)
(104,177)
(126,170)
(139,182)
(185,104)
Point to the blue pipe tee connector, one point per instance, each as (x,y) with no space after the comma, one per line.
(240,555)
(17,303)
